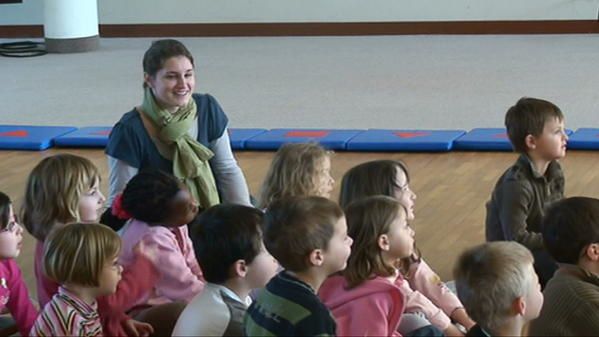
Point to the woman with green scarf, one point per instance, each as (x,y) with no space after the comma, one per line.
(177,131)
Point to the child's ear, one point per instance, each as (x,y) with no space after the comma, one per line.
(530,141)
(592,252)
(239,268)
(519,306)
(383,242)
(316,257)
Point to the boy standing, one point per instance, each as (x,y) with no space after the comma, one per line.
(518,202)
(308,236)
(498,287)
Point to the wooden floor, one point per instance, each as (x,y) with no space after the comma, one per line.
(452,190)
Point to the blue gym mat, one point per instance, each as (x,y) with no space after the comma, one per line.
(404,140)
(329,138)
(238,137)
(92,136)
(486,139)
(27,137)
(584,139)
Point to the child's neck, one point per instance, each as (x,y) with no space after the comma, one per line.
(84,293)
(512,327)
(309,276)
(540,164)
(239,287)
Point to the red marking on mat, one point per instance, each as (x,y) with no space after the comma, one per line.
(500,135)
(101,133)
(16,133)
(412,134)
(312,134)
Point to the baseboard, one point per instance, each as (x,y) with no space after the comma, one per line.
(326,28)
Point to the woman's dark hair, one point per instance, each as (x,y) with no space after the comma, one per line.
(224,234)
(162,50)
(4,210)
(148,195)
(569,226)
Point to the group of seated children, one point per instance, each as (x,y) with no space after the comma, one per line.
(347,268)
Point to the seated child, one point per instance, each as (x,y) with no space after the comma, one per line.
(159,207)
(499,288)
(429,304)
(571,235)
(82,258)
(366,298)
(518,202)
(229,248)
(13,291)
(308,236)
(297,169)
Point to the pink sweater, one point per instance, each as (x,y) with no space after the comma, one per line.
(373,308)
(172,254)
(15,297)
(426,293)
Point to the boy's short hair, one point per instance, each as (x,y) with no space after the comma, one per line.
(224,234)
(528,117)
(76,253)
(489,277)
(569,226)
(296,226)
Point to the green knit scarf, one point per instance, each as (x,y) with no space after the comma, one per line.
(190,158)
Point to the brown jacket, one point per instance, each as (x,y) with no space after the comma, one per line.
(571,304)
(519,201)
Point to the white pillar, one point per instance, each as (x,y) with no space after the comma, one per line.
(71,26)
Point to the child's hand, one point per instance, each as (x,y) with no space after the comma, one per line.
(142,249)
(135,328)
(453,330)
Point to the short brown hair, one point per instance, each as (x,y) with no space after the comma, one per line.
(292,172)
(296,226)
(160,51)
(77,253)
(367,220)
(54,188)
(569,226)
(375,177)
(489,277)
(528,117)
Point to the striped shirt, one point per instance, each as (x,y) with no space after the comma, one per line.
(288,307)
(67,315)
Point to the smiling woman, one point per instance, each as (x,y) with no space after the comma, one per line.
(176,131)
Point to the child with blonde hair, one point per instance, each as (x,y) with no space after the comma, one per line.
(366,298)
(297,169)
(428,300)
(82,258)
(64,189)
(499,288)
(13,292)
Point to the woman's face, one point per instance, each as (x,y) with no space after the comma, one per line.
(403,193)
(173,84)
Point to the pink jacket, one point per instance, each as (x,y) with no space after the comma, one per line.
(15,297)
(172,254)
(373,308)
(426,293)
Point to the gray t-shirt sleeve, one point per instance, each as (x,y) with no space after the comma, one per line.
(119,174)
(227,173)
